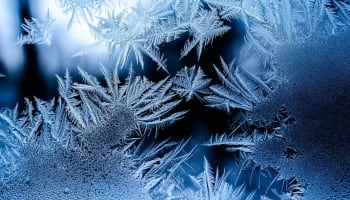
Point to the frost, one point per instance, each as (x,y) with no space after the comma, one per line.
(9,154)
(86,142)
(272,23)
(156,168)
(54,130)
(239,89)
(191,83)
(204,28)
(151,102)
(153,23)
(38,31)
(247,180)
(139,31)
(62,122)
(211,186)
(82,9)
(79,172)
(262,129)
(267,182)
(243,145)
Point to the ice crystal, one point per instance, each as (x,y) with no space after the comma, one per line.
(239,89)
(191,83)
(233,144)
(83,10)
(38,31)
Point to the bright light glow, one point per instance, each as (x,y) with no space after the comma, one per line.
(77,34)
(65,41)
(11,56)
(79,31)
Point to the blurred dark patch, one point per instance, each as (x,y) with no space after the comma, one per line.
(32,84)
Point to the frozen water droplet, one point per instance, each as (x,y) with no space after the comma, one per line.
(66,190)
(27,180)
